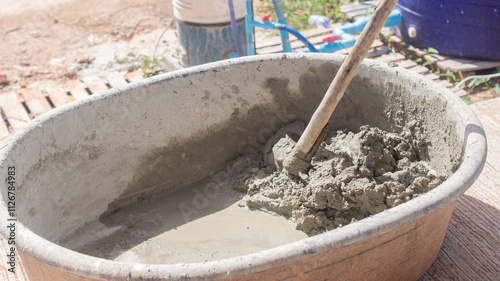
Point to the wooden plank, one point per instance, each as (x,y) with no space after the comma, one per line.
(35,100)
(353,7)
(419,69)
(14,110)
(431,76)
(418,52)
(76,89)
(471,246)
(134,76)
(115,79)
(395,40)
(361,13)
(391,57)
(358,6)
(461,93)
(435,57)
(466,65)
(95,84)
(445,83)
(377,53)
(407,64)
(385,33)
(57,94)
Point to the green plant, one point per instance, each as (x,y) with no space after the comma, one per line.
(152,66)
(389,35)
(496,89)
(467,100)
(368,12)
(429,64)
(451,76)
(431,50)
(477,82)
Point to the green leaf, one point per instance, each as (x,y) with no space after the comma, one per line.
(472,83)
(453,76)
(410,48)
(431,50)
(367,12)
(496,89)
(468,101)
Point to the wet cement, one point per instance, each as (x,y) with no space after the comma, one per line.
(197,224)
(352,176)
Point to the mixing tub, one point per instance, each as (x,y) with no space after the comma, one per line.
(86,161)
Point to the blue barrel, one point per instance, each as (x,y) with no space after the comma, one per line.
(462,28)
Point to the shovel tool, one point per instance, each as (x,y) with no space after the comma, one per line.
(298,161)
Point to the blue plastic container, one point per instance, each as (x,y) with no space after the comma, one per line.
(463,28)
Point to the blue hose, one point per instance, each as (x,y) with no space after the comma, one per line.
(234,27)
(298,35)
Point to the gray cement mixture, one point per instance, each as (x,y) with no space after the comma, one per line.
(195,224)
(353,176)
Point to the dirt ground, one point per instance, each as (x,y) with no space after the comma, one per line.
(56,39)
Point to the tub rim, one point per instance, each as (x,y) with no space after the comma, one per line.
(473,159)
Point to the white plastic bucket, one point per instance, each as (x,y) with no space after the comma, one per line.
(207,11)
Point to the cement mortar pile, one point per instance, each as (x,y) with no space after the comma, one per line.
(353,176)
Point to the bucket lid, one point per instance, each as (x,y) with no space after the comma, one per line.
(207,12)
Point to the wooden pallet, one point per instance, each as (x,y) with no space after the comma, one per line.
(440,63)
(359,10)
(379,51)
(17,109)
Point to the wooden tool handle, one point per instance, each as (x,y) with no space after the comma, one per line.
(343,78)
